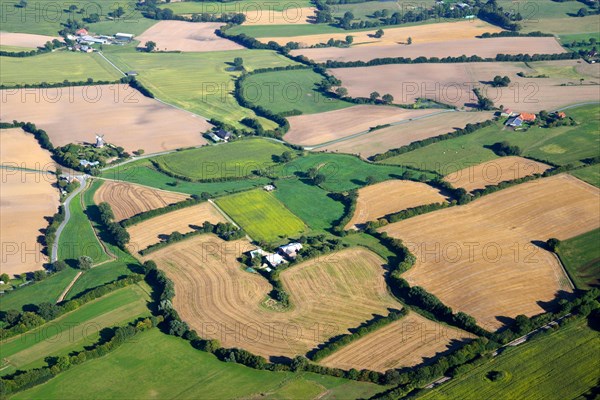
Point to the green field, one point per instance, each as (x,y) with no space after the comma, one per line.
(561,365)
(198,82)
(74,330)
(185,373)
(55,67)
(562,145)
(261,215)
(251,7)
(282,91)
(229,160)
(78,238)
(590,174)
(342,172)
(144,173)
(47,290)
(581,257)
(311,203)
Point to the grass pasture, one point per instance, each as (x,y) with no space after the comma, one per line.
(337,291)
(55,67)
(198,82)
(590,174)
(194,374)
(261,215)
(224,161)
(581,257)
(311,203)
(234,6)
(144,173)
(562,145)
(75,329)
(503,230)
(563,365)
(282,91)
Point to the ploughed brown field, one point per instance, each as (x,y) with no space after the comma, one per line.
(495,171)
(186,36)
(486,48)
(382,140)
(218,299)
(313,129)
(441,32)
(25,39)
(128,199)
(381,199)
(153,230)
(123,115)
(26,199)
(453,84)
(403,343)
(485,258)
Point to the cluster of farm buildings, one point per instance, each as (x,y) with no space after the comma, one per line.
(517,120)
(85,41)
(283,254)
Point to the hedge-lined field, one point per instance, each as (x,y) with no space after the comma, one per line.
(589,174)
(581,257)
(261,215)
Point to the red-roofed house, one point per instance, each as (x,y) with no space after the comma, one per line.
(81,32)
(527,117)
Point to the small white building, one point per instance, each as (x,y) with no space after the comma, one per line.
(291,249)
(124,36)
(91,40)
(274,259)
(269,188)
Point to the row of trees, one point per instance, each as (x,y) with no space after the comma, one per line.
(48,47)
(143,216)
(116,232)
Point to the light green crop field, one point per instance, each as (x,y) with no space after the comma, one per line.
(198,82)
(343,172)
(282,91)
(55,67)
(75,329)
(311,203)
(15,48)
(78,238)
(250,6)
(229,160)
(47,290)
(590,174)
(561,365)
(261,215)
(143,172)
(581,257)
(562,145)
(185,374)
(46,17)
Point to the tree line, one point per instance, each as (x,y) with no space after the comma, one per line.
(47,48)
(143,216)
(116,232)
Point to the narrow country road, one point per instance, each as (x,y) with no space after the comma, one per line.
(54,253)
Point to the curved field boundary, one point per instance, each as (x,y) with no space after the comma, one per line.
(221,301)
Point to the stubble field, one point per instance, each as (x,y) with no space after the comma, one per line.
(485,259)
(221,301)
(127,199)
(24,39)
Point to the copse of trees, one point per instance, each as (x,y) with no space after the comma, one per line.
(118,234)
(504,149)
(500,81)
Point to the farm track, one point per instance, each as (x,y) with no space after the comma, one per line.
(83,180)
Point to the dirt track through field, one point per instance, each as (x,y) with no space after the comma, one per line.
(485,258)
(122,114)
(403,343)
(314,129)
(495,171)
(218,299)
(187,36)
(381,199)
(127,199)
(152,231)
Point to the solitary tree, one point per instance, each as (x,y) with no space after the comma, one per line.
(150,46)
(286,157)
(72,8)
(59,265)
(379,33)
(4,278)
(23,3)
(553,244)
(374,96)
(349,39)
(319,179)
(387,98)
(371,180)
(409,40)
(238,63)
(84,263)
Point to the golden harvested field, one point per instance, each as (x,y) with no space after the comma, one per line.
(127,199)
(218,299)
(442,32)
(122,114)
(381,199)
(482,259)
(453,83)
(495,171)
(186,36)
(403,343)
(487,48)
(313,129)
(151,231)
(25,202)
(25,39)
(289,16)
(400,135)
(21,150)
